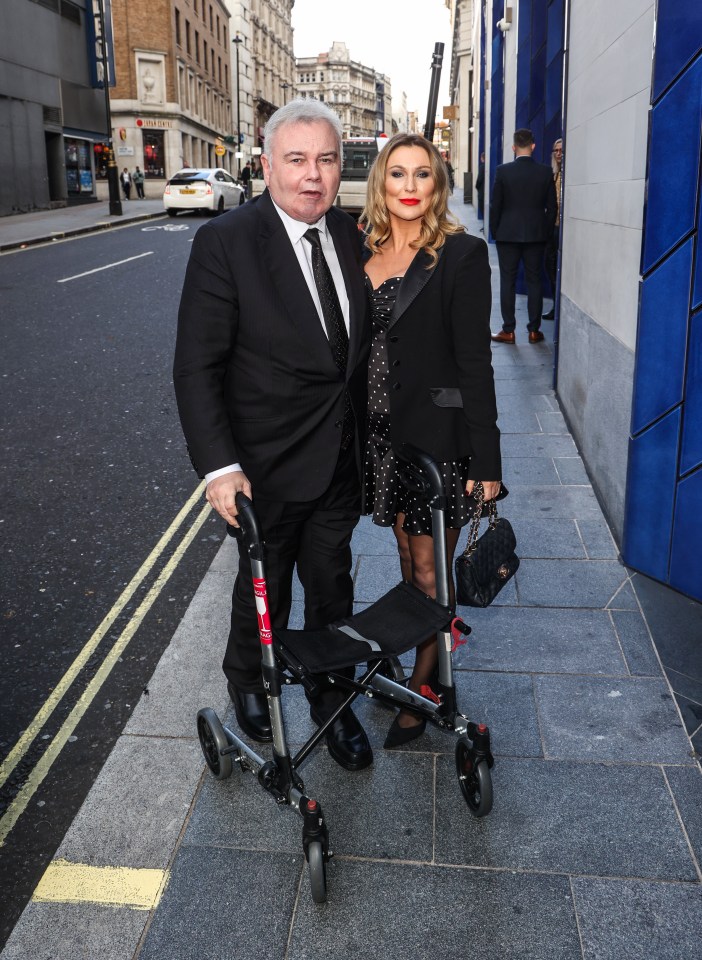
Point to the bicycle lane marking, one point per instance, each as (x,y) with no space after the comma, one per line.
(46,761)
(57,694)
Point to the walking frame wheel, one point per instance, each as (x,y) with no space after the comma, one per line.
(318,871)
(473,778)
(213,740)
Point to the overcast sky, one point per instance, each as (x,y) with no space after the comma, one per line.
(395,37)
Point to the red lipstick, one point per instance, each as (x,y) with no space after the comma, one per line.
(410,202)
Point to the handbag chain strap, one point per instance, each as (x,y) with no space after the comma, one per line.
(479,497)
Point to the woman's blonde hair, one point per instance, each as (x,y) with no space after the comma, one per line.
(437,223)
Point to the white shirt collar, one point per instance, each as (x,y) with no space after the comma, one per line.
(296,229)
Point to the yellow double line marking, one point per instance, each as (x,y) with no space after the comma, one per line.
(39,772)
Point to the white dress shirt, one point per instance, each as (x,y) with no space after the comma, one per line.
(296,230)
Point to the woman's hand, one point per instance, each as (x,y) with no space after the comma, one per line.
(490,488)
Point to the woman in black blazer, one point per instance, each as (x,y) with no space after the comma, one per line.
(430,376)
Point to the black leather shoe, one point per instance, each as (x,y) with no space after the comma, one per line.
(347,742)
(548,316)
(252,714)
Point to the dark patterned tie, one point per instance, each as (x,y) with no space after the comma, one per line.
(334,322)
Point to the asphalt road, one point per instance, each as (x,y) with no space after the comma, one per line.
(93,472)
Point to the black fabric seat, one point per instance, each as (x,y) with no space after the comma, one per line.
(400,620)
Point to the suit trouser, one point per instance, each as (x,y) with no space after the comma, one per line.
(509,255)
(314,535)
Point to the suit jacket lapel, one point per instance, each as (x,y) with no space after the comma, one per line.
(287,277)
(355,289)
(413,283)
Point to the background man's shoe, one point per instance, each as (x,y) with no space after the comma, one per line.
(535,336)
(347,742)
(504,337)
(548,316)
(252,715)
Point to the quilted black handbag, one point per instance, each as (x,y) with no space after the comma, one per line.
(488,562)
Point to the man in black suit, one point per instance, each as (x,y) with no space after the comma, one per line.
(522,215)
(271,381)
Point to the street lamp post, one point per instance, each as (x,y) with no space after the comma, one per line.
(112,175)
(236,41)
(285,87)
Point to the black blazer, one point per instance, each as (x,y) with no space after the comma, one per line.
(523,205)
(254,376)
(441,385)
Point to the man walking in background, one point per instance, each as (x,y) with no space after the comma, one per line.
(522,216)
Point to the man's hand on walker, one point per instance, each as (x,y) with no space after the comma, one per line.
(221,491)
(490,488)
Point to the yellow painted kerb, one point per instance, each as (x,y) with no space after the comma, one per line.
(65,882)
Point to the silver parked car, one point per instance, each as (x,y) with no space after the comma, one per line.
(211,189)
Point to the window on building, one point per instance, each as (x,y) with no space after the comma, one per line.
(187,36)
(197,47)
(211,20)
(218,29)
(226,76)
(177,27)
(154,153)
(70,11)
(219,68)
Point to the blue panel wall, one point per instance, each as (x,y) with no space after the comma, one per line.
(540,72)
(663,512)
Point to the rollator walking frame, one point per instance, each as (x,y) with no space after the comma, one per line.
(394,624)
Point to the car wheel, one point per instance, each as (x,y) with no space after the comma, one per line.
(220,207)
(242,199)
(171,212)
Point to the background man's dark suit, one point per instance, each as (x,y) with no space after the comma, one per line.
(256,384)
(522,215)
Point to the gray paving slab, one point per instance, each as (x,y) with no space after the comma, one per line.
(530,470)
(396,912)
(505,701)
(624,598)
(552,422)
(223,903)
(636,644)
(548,539)
(571,470)
(686,786)
(635,920)
(189,674)
(632,720)
(569,583)
(156,776)
(529,401)
(597,538)
(385,811)
(67,931)
(516,420)
(528,640)
(513,390)
(556,816)
(555,503)
(537,445)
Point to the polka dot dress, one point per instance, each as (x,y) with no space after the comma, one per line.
(384,496)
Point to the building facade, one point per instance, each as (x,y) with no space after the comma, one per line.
(628,329)
(361,97)
(172,102)
(464,110)
(273,60)
(52,112)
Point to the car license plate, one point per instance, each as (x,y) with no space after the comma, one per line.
(188,190)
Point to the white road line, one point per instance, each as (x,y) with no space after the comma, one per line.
(106,267)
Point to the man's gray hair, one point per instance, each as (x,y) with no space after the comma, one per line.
(301,111)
